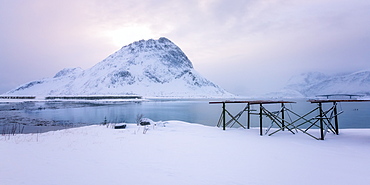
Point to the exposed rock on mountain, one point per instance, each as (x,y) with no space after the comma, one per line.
(146,67)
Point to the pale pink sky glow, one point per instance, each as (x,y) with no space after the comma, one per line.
(246,47)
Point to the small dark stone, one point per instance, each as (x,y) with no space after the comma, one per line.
(144,123)
(120,126)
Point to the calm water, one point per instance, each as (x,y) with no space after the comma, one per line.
(355,115)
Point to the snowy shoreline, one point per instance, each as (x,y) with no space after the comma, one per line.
(183,153)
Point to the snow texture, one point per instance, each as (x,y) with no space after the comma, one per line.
(183,153)
(154,68)
(314,83)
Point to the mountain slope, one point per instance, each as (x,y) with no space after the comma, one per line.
(312,84)
(146,67)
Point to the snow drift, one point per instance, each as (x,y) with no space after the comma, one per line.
(182,154)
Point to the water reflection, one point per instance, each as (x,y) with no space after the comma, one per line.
(356,115)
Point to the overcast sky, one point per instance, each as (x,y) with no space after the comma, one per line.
(246,47)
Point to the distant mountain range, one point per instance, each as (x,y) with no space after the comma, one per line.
(314,83)
(155,68)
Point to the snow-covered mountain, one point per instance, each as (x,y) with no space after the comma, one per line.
(315,83)
(156,68)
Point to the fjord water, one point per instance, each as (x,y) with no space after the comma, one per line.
(355,115)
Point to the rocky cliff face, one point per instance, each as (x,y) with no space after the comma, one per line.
(146,67)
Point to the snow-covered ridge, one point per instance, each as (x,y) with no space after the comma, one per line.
(314,83)
(68,72)
(156,68)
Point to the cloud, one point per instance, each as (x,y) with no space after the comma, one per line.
(41,37)
(244,46)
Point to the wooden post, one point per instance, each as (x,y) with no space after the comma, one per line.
(249,116)
(261,119)
(336,118)
(223,116)
(321,122)
(282,116)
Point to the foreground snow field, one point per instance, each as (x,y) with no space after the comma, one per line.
(183,153)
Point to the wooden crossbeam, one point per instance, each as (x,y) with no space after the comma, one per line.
(325,120)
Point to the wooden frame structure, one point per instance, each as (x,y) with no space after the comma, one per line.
(262,111)
(340,95)
(318,117)
(324,118)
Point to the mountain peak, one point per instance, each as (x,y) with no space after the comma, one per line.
(314,83)
(146,67)
(162,49)
(150,45)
